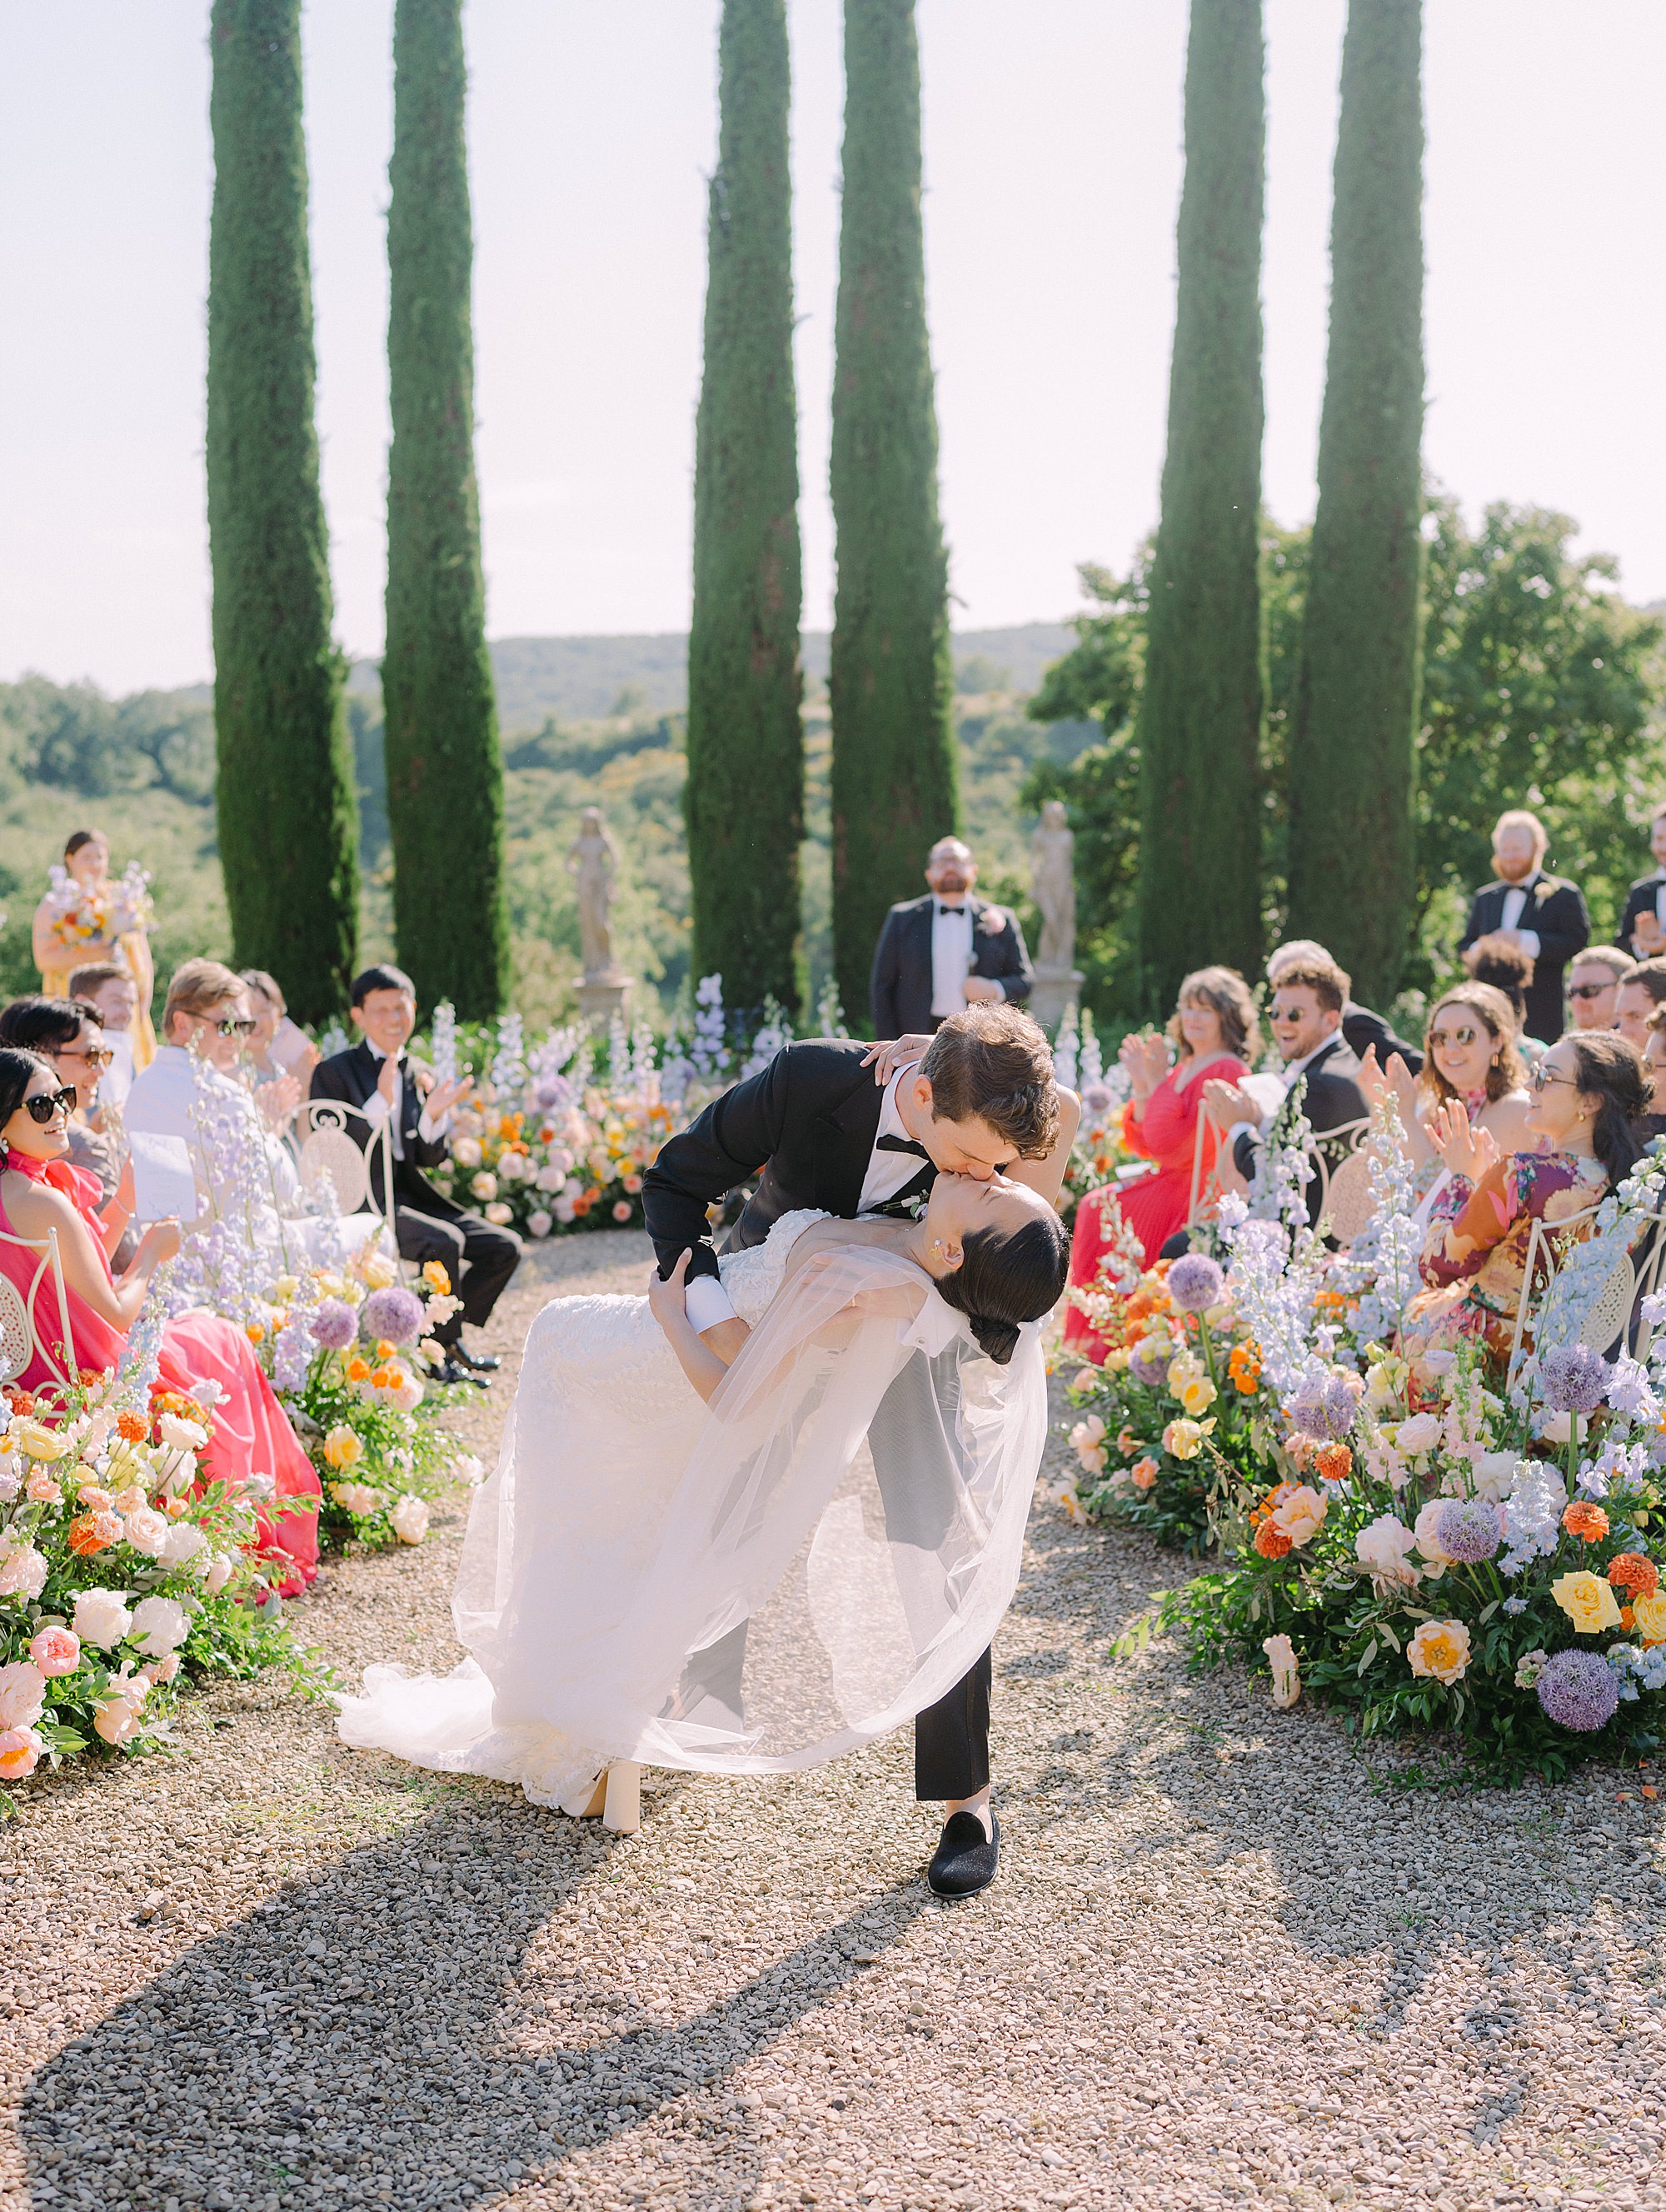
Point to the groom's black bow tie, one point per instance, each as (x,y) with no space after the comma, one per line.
(901,1145)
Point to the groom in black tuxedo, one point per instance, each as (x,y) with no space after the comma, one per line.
(818,1130)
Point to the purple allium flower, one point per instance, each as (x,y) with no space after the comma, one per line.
(1150,1371)
(552,1094)
(1097,1098)
(1468,1531)
(1324,1406)
(1577,1690)
(1195,1283)
(1575,1378)
(334,1325)
(394,1313)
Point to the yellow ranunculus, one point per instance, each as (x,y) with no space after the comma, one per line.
(1184,1439)
(342,1447)
(1185,1367)
(1588,1601)
(1649,1612)
(1198,1396)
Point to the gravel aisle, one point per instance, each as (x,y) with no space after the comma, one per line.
(1220,1965)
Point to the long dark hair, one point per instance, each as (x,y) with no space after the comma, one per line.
(17,1071)
(1610,1070)
(1008,1277)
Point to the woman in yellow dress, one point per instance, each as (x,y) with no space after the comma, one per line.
(62,945)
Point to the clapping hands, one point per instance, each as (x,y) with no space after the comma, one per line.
(1396,1078)
(1466,1150)
(1145,1058)
(1226,1105)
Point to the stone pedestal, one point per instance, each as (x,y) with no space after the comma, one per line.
(601,997)
(1052,991)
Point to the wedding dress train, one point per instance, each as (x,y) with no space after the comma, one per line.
(755,1585)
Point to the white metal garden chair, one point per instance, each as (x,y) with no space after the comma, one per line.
(321,1131)
(21,1338)
(1548,1244)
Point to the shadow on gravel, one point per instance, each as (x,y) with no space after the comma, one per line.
(229,2080)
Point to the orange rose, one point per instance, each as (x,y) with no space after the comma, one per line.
(93,1532)
(254,1332)
(1582,1518)
(357,1368)
(384,1352)
(1143,1473)
(1271,1541)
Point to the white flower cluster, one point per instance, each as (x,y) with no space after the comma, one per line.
(1533,1515)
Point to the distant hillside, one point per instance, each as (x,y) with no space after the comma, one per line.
(582,679)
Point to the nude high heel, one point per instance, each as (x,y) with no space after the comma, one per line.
(622,1802)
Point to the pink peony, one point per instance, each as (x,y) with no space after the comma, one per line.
(56,1650)
(22,1572)
(22,1694)
(19,1754)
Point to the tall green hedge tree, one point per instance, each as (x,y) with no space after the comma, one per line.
(1352,865)
(444,769)
(1201,711)
(894,781)
(287,819)
(743,799)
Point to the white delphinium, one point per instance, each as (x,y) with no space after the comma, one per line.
(1091,1059)
(707,1051)
(644,1075)
(776,1032)
(1064,1051)
(829,1014)
(443,1043)
(332,1039)
(508,1075)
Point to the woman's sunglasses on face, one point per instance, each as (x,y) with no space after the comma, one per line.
(46,1105)
(94,1055)
(1541,1076)
(1462,1036)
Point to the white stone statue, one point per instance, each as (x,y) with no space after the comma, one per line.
(592,860)
(1053,886)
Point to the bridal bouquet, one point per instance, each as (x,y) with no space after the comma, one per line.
(78,916)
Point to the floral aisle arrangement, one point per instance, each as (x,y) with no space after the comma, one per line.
(78,916)
(123,1570)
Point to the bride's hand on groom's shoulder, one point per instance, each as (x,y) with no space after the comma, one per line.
(888,1054)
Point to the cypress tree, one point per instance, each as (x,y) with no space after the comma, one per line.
(1352,880)
(445,768)
(288,816)
(744,800)
(1200,713)
(894,781)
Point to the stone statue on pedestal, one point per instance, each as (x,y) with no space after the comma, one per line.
(593,860)
(1053,886)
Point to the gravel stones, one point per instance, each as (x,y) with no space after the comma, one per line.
(1225,1962)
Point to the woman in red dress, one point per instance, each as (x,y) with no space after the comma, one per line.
(249,1432)
(1214,1037)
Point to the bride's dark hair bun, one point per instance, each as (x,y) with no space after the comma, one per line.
(1004,1280)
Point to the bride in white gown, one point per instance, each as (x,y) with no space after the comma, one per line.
(764,1582)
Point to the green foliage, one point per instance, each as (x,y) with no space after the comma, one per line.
(1200,706)
(894,789)
(288,833)
(1540,688)
(744,794)
(444,770)
(1350,741)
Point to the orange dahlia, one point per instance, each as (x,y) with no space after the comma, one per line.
(1633,1572)
(1333,1461)
(1271,1541)
(133,1428)
(1583,1518)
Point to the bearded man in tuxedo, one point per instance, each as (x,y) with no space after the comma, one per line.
(939,955)
(1544,914)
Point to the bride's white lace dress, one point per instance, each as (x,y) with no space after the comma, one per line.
(761,1584)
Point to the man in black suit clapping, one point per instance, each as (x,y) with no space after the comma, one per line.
(1642,930)
(1544,914)
(938,956)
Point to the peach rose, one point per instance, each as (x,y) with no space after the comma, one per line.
(22,1694)
(55,1650)
(1440,1650)
(1301,1514)
(1286,1670)
(20,1750)
(1143,1473)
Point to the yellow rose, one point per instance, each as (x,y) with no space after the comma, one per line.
(1588,1601)
(1198,1394)
(38,1440)
(1184,1439)
(342,1447)
(1183,1369)
(378,1270)
(1440,1648)
(1650,1614)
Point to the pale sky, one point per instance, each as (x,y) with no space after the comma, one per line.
(1052,153)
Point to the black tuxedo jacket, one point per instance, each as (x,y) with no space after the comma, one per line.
(900,989)
(1331,1099)
(808,1120)
(1361,1029)
(1640,899)
(1556,909)
(351,1076)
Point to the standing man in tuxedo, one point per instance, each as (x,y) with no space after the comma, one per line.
(375,1076)
(1544,914)
(939,955)
(817,1130)
(1642,930)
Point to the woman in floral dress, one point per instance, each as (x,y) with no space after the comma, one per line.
(1589,1094)
(1214,1032)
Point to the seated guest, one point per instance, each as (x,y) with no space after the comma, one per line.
(376,1077)
(1212,1031)
(1503,963)
(112,994)
(1472,1060)
(1306,1016)
(1654,1067)
(1594,985)
(940,954)
(1589,1095)
(68,1035)
(281,1057)
(191,1089)
(1362,1030)
(1543,915)
(1641,994)
(1641,929)
(249,1432)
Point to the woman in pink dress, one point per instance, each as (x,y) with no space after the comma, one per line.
(249,1432)
(1214,1037)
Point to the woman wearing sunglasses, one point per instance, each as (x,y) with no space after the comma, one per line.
(1589,1094)
(41,1188)
(70,1036)
(1469,1058)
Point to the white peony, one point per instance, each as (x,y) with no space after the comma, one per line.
(146,1530)
(185,1543)
(564,1212)
(466,1151)
(484,1185)
(22,1572)
(359,1497)
(22,1694)
(220,1570)
(551,1177)
(515,1167)
(101,1617)
(1419,1434)
(179,1434)
(1494,1473)
(410,1519)
(539,1223)
(466,1467)
(161,1625)
(1428,1540)
(1380,1548)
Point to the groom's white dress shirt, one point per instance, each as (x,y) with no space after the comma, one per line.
(706,1301)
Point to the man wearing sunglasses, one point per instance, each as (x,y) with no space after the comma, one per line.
(1544,914)
(1594,983)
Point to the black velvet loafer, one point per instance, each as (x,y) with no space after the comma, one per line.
(965,1859)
